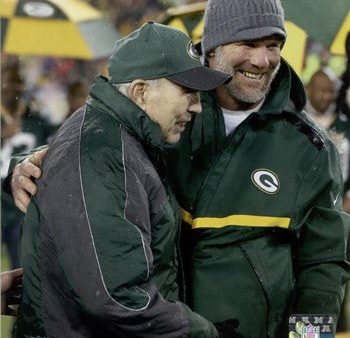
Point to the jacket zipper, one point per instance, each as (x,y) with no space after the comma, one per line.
(227,141)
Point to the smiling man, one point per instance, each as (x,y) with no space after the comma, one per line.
(99,246)
(260,184)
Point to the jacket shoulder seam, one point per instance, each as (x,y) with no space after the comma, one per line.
(305,125)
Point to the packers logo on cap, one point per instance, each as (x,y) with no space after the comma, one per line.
(192,51)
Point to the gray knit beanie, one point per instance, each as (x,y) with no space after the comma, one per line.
(227,21)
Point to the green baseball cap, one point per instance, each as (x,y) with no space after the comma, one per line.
(157,51)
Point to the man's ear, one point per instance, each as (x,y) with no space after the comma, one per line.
(211,54)
(210,59)
(138,92)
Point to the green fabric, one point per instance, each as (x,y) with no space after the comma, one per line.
(247,272)
(135,239)
(197,326)
(151,52)
(308,15)
(31,302)
(111,242)
(134,119)
(114,235)
(165,235)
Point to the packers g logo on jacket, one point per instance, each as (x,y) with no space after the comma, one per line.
(266,180)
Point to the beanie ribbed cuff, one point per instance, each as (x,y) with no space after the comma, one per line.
(228,21)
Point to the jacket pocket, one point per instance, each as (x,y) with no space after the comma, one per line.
(271,260)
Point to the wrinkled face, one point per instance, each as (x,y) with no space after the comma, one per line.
(171,106)
(321,92)
(252,64)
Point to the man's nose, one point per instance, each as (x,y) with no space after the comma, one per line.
(195,108)
(259,57)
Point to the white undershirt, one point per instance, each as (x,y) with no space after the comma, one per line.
(233,118)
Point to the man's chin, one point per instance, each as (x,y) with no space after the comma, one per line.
(173,138)
(248,96)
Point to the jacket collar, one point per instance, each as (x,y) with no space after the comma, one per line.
(104,96)
(286,93)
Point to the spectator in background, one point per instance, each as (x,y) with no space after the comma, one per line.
(321,96)
(21,130)
(334,118)
(321,105)
(77,92)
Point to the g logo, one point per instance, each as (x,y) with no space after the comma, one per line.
(266,180)
(192,51)
(38,9)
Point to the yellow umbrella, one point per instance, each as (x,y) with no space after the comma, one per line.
(58,28)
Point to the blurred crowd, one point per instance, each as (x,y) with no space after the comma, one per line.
(38,94)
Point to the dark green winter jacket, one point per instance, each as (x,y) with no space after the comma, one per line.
(100,239)
(268,237)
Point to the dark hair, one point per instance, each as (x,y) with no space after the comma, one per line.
(13,71)
(76,85)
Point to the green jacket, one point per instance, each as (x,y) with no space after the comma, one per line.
(339,132)
(100,240)
(268,237)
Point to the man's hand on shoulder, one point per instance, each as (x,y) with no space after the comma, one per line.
(22,185)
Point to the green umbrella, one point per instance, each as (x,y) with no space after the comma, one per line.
(326,21)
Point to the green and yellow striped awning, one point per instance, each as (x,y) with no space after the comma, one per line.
(57,28)
(323,20)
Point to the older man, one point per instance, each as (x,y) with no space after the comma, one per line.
(99,246)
